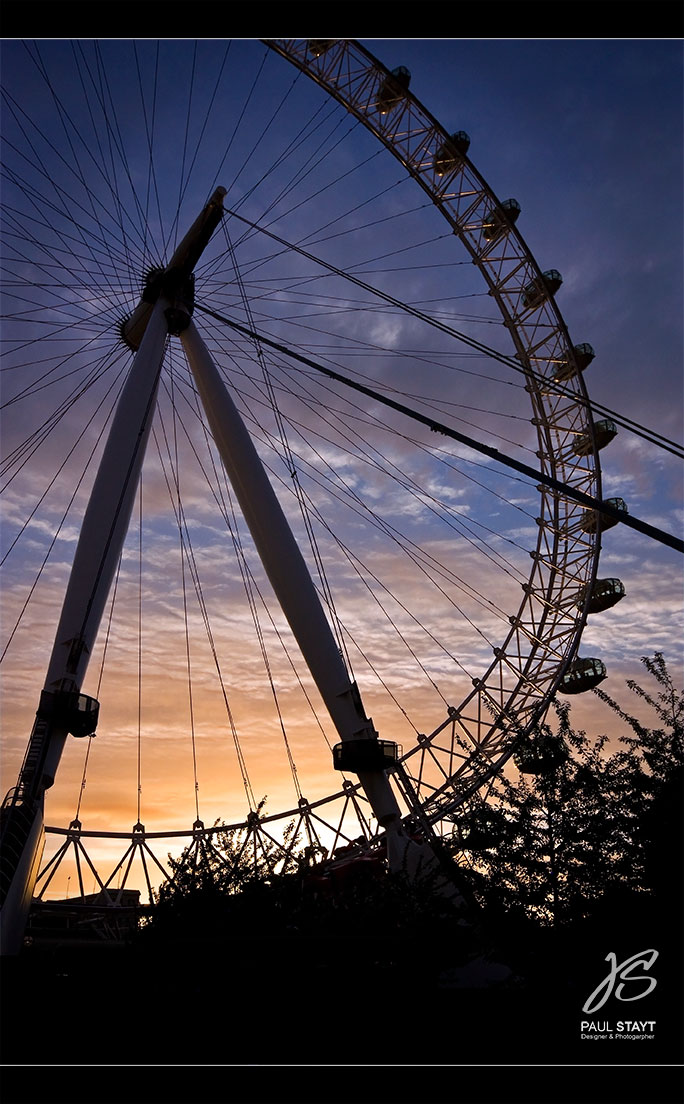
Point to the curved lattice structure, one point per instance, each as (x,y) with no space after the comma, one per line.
(486,702)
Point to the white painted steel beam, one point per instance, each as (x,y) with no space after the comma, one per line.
(286,568)
(103,532)
(99,547)
(106,519)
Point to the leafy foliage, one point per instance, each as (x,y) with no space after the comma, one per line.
(595,822)
(552,848)
(366,967)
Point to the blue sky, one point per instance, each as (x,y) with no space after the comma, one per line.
(585,134)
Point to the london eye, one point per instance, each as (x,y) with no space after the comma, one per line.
(277,242)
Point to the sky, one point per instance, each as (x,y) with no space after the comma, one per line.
(104,168)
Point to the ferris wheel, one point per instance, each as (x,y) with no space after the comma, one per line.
(372,606)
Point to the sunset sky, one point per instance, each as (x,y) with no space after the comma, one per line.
(103,170)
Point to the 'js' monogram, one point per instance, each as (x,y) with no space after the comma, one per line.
(625,975)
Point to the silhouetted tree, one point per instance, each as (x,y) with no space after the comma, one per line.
(586,824)
(592,831)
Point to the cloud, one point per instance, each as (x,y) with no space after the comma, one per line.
(392,492)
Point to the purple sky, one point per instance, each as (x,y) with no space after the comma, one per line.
(586,135)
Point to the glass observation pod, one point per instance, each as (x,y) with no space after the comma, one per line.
(540,753)
(451,152)
(540,289)
(582,675)
(392,89)
(590,521)
(501,219)
(77,712)
(318,46)
(604,594)
(365,755)
(566,369)
(604,431)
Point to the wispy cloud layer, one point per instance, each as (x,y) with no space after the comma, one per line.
(426,543)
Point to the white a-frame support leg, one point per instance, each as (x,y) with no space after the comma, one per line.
(286,569)
(97,554)
(295,590)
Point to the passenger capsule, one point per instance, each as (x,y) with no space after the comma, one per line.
(604,594)
(365,755)
(393,88)
(78,713)
(540,289)
(500,220)
(604,431)
(582,675)
(590,521)
(566,369)
(451,152)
